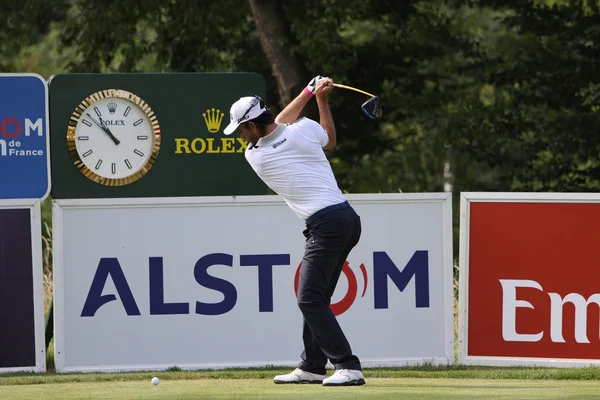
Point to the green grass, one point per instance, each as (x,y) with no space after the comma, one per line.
(422,382)
(376,388)
(267,373)
(416,382)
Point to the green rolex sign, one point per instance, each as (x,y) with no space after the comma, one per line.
(148,135)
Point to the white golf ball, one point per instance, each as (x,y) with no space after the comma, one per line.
(155,381)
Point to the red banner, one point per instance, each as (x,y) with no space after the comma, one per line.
(534,280)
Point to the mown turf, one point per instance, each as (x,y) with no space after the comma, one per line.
(376,388)
(418,382)
(422,371)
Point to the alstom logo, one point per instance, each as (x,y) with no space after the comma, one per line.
(511,302)
(386,275)
(11,128)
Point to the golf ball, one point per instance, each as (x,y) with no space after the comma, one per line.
(155,381)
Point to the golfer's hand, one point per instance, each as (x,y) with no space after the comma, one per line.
(312,85)
(324,88)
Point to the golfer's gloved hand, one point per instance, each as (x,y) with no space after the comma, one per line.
(311,88)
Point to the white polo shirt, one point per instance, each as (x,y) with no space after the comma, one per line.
(291,161)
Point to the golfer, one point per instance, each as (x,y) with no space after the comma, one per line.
(287,154)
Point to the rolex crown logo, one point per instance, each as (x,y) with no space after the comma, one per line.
(213,118)
(112,107)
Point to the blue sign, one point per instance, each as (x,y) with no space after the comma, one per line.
(24,141)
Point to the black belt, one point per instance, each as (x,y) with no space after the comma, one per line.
(326,210)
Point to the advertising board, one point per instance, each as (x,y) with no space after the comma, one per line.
(529,279)
(208,282)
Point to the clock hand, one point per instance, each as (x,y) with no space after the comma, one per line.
(105,129)
(114,139)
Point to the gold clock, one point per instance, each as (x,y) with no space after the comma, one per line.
(113,137)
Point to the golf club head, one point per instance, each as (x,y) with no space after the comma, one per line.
(372,108)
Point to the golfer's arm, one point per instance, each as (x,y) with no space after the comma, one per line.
(326,121)
(293,110)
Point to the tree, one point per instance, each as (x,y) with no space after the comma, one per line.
(277,42)
(504,94)
(541,77)
(25,23)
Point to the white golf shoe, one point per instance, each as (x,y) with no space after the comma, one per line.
(299,376)
(345,377)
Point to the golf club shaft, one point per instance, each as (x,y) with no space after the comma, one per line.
(353,88)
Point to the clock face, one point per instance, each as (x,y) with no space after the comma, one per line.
(113,137)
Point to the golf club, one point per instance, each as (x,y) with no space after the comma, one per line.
(372,107)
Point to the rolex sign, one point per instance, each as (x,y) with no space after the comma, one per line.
(119,138)
(219,144)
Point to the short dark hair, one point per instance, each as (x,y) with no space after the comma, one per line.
(264,119)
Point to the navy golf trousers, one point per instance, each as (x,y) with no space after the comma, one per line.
(330,235)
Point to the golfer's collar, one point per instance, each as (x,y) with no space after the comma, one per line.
(271,137)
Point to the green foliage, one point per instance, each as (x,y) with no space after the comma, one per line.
(506,92)
(25,23)
(540,135)
(173,36)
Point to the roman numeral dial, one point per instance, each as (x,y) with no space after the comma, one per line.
(113,137)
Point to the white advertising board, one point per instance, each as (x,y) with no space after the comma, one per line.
(209,282)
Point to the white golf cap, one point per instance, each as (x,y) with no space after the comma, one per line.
(243,110)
